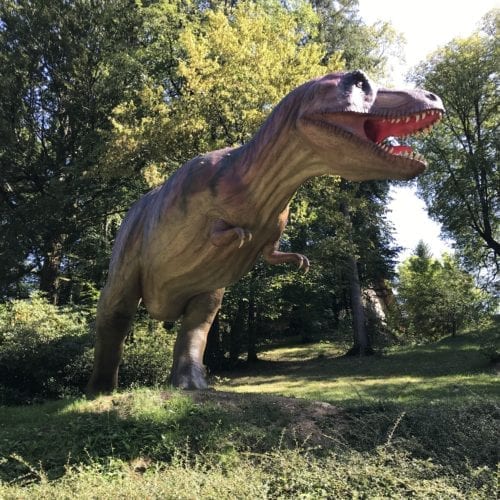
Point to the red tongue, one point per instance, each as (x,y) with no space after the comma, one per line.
(397,150)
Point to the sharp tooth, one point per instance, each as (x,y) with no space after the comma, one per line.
(398,120)
(418,118)
(424,115)
(407,119)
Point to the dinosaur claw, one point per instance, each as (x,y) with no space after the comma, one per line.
(244,235)
(222,234)
(304,264)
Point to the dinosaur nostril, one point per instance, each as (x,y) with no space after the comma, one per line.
(431,96)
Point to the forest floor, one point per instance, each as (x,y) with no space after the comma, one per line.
(303,422)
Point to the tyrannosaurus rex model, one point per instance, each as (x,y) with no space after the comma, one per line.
(183,242)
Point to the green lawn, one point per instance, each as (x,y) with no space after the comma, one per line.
(302,423)
(454,369)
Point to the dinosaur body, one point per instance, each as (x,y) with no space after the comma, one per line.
(184,242)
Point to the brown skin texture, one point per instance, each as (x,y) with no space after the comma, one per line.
(184,242)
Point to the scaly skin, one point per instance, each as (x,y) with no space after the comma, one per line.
(184,242)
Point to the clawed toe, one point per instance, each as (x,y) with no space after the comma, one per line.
(303,263)
(244,236)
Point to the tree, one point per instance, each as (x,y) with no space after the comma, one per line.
(363,46)
(462,189)
(437,298)
(228,73)
(64,67)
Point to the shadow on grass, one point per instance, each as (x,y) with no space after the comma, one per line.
(159,426)
(168,427)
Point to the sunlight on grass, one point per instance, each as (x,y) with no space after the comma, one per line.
(452,369)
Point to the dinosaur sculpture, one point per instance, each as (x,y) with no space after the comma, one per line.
(205,227)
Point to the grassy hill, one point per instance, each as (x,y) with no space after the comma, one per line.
(302,423)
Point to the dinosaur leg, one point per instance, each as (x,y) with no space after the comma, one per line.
(188,371)
(115,313)
(273,256)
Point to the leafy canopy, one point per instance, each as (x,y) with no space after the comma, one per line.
(462,187)
(437,297)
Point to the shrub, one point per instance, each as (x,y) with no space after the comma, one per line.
(147,355)
(38,344)
(46,351)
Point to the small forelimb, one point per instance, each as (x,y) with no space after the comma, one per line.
(273,256)
(223,234)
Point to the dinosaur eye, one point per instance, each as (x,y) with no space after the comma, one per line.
(357,80)
(360,80)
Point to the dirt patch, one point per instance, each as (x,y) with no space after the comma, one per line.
(316,423)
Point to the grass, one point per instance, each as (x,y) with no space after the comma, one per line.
(454,369)
(302,423)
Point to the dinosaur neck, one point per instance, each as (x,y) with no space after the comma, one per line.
(276,162)
(280,164)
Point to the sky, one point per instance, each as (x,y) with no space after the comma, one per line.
(426,25)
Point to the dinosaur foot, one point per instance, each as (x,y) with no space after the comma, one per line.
(96,387)
(189,376)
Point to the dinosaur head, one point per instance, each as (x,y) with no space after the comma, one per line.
(353,126)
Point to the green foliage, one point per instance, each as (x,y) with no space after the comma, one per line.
(462,187)
(222,77)
(64,66)
(224,95)
(437,298)
(161,444)
(147,356)
(41,350)
(46,351)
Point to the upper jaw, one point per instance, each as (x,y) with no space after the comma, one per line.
(372,129)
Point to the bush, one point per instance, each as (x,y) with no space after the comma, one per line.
(39,342)
(147,356)
(46,352)
(438,298)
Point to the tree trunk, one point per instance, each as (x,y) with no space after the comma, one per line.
(49,274)
(362,345)
(237,327)
(252,330)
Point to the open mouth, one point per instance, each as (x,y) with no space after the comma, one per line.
(383,131)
